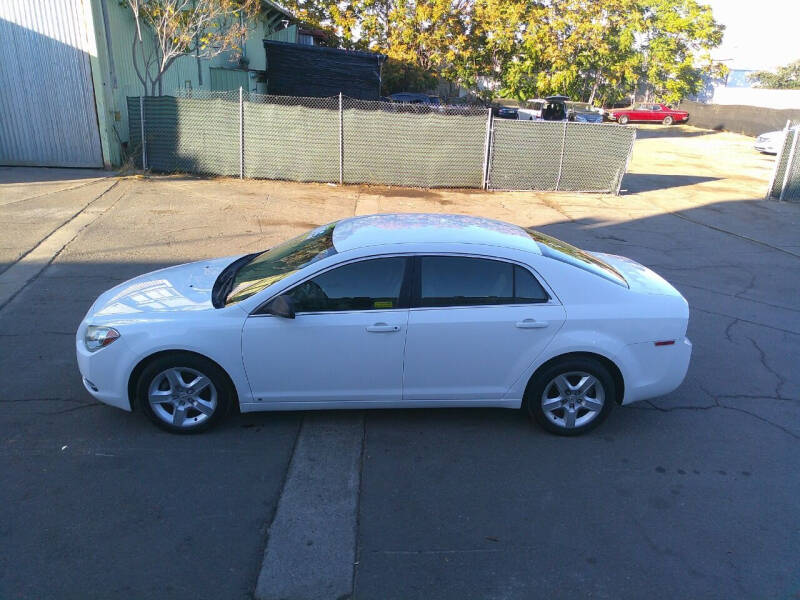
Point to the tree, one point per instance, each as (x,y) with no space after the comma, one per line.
(676,39)
(785,78)
(168,29)
(588,50)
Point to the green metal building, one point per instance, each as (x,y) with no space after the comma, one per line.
(68,69)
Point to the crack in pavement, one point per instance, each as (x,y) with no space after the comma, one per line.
(763,357)
(736,296)
(718,405)
(719,314)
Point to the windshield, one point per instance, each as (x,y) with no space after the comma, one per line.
(281,261)
(558,250)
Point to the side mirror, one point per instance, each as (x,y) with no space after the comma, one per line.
(281,306)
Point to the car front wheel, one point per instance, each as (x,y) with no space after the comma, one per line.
(667,120)
(623,120)
(183,393)
(571,396)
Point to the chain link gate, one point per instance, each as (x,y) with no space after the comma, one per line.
(785,181)
(558,156)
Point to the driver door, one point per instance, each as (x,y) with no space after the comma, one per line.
(345,343)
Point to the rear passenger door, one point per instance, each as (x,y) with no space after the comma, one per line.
(475,326)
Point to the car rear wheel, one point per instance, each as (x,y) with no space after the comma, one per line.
(183,393)
(571,396)
(623,120)
(668,120)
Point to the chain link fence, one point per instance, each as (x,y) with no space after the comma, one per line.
(345,140)
(785,182)
(579,157)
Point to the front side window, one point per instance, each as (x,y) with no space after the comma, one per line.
(365,285)
(465,281)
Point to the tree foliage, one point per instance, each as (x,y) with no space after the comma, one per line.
(589,50)
(168,29)
(786,77)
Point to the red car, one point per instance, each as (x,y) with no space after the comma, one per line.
(649,113)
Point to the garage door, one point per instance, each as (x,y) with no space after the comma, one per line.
(47,108)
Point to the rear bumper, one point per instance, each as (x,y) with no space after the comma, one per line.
(656,370)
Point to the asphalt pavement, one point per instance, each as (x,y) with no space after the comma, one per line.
(693,495)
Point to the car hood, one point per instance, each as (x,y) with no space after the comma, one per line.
(182,288)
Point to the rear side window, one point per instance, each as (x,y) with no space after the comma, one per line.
(364,285)
(464,281)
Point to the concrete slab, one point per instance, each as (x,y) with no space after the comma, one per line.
(311,543)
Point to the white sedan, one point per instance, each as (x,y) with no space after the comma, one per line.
(770,142)
(390,311)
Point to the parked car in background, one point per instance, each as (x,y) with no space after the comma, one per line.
(607,108)
(505,112)
(532,109)
(390,311)
(586,117)
(770,142)
(555,108)
(414,98)
(649,113)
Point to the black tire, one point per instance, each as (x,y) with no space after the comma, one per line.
(219,394)
(543,381)
(668,120)
(623,120)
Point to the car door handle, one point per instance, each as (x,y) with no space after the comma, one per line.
(383,328)
(532,324)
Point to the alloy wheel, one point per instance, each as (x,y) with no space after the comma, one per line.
(182,397)
(573,399)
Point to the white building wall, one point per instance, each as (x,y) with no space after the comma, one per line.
(767,98)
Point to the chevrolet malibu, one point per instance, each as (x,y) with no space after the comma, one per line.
(390,311)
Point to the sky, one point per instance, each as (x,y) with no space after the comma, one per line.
(759,34)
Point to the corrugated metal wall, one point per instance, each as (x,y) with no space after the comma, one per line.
(229,79)
(47,107)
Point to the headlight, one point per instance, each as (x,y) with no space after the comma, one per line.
(99,337)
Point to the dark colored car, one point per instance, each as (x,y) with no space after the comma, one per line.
(505,112)
(555,109)
(414,98)
(649,113)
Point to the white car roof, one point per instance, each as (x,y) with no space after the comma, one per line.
(423,228)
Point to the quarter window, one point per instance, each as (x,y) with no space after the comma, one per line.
(365,285)
(464,281)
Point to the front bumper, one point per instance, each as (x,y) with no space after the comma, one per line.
(103,374)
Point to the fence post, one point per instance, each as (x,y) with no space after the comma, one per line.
(561,158)
(341,142)
(241,135)
(486,150)
(790,161)
(141,132)
(778,160)
(627,163)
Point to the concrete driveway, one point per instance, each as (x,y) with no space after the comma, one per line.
(690,496)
